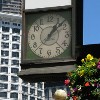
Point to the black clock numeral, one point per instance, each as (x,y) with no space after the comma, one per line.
(32,37)
(64,26)
(67,35)
(58,50)
(40,50)
(49,52)
(50,19)
(34,44)
(36,28)
(65,43)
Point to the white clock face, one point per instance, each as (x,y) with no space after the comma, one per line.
(49,36)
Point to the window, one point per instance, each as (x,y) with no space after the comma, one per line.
(14,70)
(15,38)
(15,30)
(5,29)
(32,84)
(32,91)
(15,46)
(4,61)
(4,53)
(15,54)
(32,98)
(4,77)
(39,93)
(40,85)
(4,45)
(5,37)
(25,97)
(15,62)
(25,89)
(4,69)
(14,87)
(3,86)
(3,94)
(14,79)
(14,95)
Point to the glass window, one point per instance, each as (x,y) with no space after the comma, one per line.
(4,45)
(4,53)
(14,79)
(25,97)
(46,93)
(40,85)
(5,37)
(25,89)
(14,70)
(15,54)
(15,62)
(15,38)
(14,87)
(32,91)
(32,98)
(14,95)
(32,84)
(5,29)
(39,93)
(4,61)
(4,69)
(4,77)
(15,30)
(15,46)
(3,94)
(3,86)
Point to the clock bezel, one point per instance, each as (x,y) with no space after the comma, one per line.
(24,37)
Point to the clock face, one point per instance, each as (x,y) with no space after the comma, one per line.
(49,36)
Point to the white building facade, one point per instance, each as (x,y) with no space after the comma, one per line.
(11,86)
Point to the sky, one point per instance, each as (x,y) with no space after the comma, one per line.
(91,22)
(91,16)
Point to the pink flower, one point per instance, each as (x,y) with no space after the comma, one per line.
(98,66)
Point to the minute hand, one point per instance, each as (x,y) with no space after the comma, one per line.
(55,27)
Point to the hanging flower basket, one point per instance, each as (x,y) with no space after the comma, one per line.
(84,82)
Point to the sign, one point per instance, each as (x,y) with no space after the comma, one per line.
(34,4)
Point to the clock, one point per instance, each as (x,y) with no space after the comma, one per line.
(48,35)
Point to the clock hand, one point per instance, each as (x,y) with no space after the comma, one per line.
(54,29)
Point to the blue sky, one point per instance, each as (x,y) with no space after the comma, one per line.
(91,22)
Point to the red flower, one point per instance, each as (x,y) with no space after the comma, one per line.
(87,84)
(67,82)
(75,98)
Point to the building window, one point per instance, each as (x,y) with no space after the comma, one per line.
(39,93)
(5,37)
(5,29)
(3,94)
(4,69)
(3,86)
(15,62)
(4,53)
(15,30)
(25,97)
(14,79)
(32,98)
(14,87)
(32,91)
(25,89)
(16,38)
(3,77)
(14,70)
(4,45)
(39,85)
(4,61)
(15,46)
(14,95)
(15,54)
(32,84)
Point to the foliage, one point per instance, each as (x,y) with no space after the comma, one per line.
(85,80)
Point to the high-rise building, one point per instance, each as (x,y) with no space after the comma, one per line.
(11,6)
(11,86)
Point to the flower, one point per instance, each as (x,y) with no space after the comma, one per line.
(85,79)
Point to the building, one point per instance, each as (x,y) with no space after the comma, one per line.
(11,6)
(11,86)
